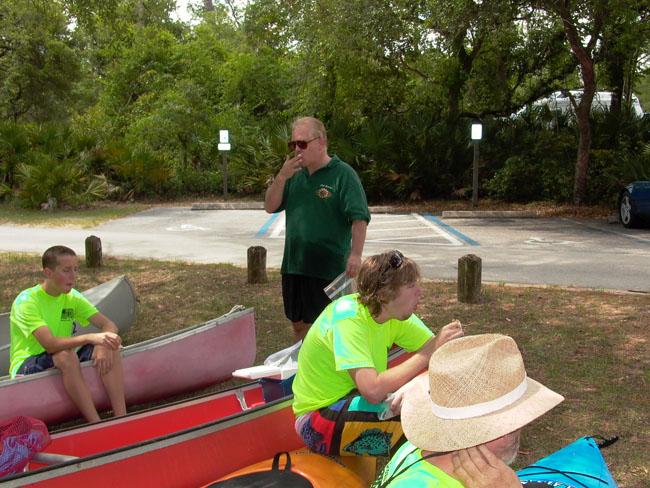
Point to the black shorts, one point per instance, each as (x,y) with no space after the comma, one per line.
(304,298)
(42,362)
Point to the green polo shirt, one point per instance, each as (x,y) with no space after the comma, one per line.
(319,211)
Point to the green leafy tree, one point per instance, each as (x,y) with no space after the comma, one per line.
(585,24)
(38,64)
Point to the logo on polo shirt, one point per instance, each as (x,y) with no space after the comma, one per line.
(323,193)
(67,314)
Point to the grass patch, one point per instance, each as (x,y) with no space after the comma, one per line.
(593,347)
(83,218)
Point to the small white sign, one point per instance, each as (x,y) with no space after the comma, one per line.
(477,132)
(223,138)
(223,147)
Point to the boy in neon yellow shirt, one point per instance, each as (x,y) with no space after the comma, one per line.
(41,324)
(342,383)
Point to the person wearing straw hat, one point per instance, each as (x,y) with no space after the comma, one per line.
(343,381)
(463,419)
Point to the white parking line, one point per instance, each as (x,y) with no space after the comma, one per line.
(390,222)
(394,228)
(438,230)
(278,227)
(385,227)
(439,237)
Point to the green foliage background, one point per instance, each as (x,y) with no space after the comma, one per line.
(116,99)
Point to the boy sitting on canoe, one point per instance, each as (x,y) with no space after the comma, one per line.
(342,384)
(41,325)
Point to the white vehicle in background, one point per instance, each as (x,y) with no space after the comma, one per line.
(602,101)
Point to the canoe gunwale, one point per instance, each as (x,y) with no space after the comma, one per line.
(140,347)
(167,406)
(149,445)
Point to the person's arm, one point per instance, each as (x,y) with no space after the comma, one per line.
(53,344)
(103,323)
(453,330)
(102,355)
(273,196)
(375,387)
(353,265)
(478,467)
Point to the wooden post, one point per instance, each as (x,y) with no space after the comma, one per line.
(93,252)
(469,279)
(257,264)
(224,162)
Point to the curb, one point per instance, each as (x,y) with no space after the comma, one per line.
(489,214)
(260,206)
(229,206)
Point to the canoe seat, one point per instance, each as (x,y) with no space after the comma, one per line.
(50,458)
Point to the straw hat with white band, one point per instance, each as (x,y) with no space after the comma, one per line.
(476,391)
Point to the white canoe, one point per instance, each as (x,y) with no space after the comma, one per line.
(115,298)
(177,362)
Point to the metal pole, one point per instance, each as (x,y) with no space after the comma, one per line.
(225,174)
(475,176)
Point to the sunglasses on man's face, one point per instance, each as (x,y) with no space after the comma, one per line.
(301,144)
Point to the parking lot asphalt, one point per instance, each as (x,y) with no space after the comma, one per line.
(562,252)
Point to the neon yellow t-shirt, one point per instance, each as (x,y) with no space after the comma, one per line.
(344,337)
(409,470)
(34,308)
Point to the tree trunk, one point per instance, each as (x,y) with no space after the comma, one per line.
(582,163)
(584,54)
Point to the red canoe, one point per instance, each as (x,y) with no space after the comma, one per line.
(187,444)
(174,363)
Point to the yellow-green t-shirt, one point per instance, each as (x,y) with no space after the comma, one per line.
(345,337)
(34,308)
(407,469)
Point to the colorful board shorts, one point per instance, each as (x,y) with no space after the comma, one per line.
(350,427)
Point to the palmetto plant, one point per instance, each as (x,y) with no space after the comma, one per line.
(42,177)
(261,160)
(42,162)
(14,145)
(139,170)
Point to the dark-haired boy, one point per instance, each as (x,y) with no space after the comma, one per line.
(41,325)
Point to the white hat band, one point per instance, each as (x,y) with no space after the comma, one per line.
(478,409)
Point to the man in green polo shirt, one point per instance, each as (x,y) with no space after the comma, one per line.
(41,325)
(326,219)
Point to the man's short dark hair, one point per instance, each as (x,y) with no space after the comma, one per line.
(51,256)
